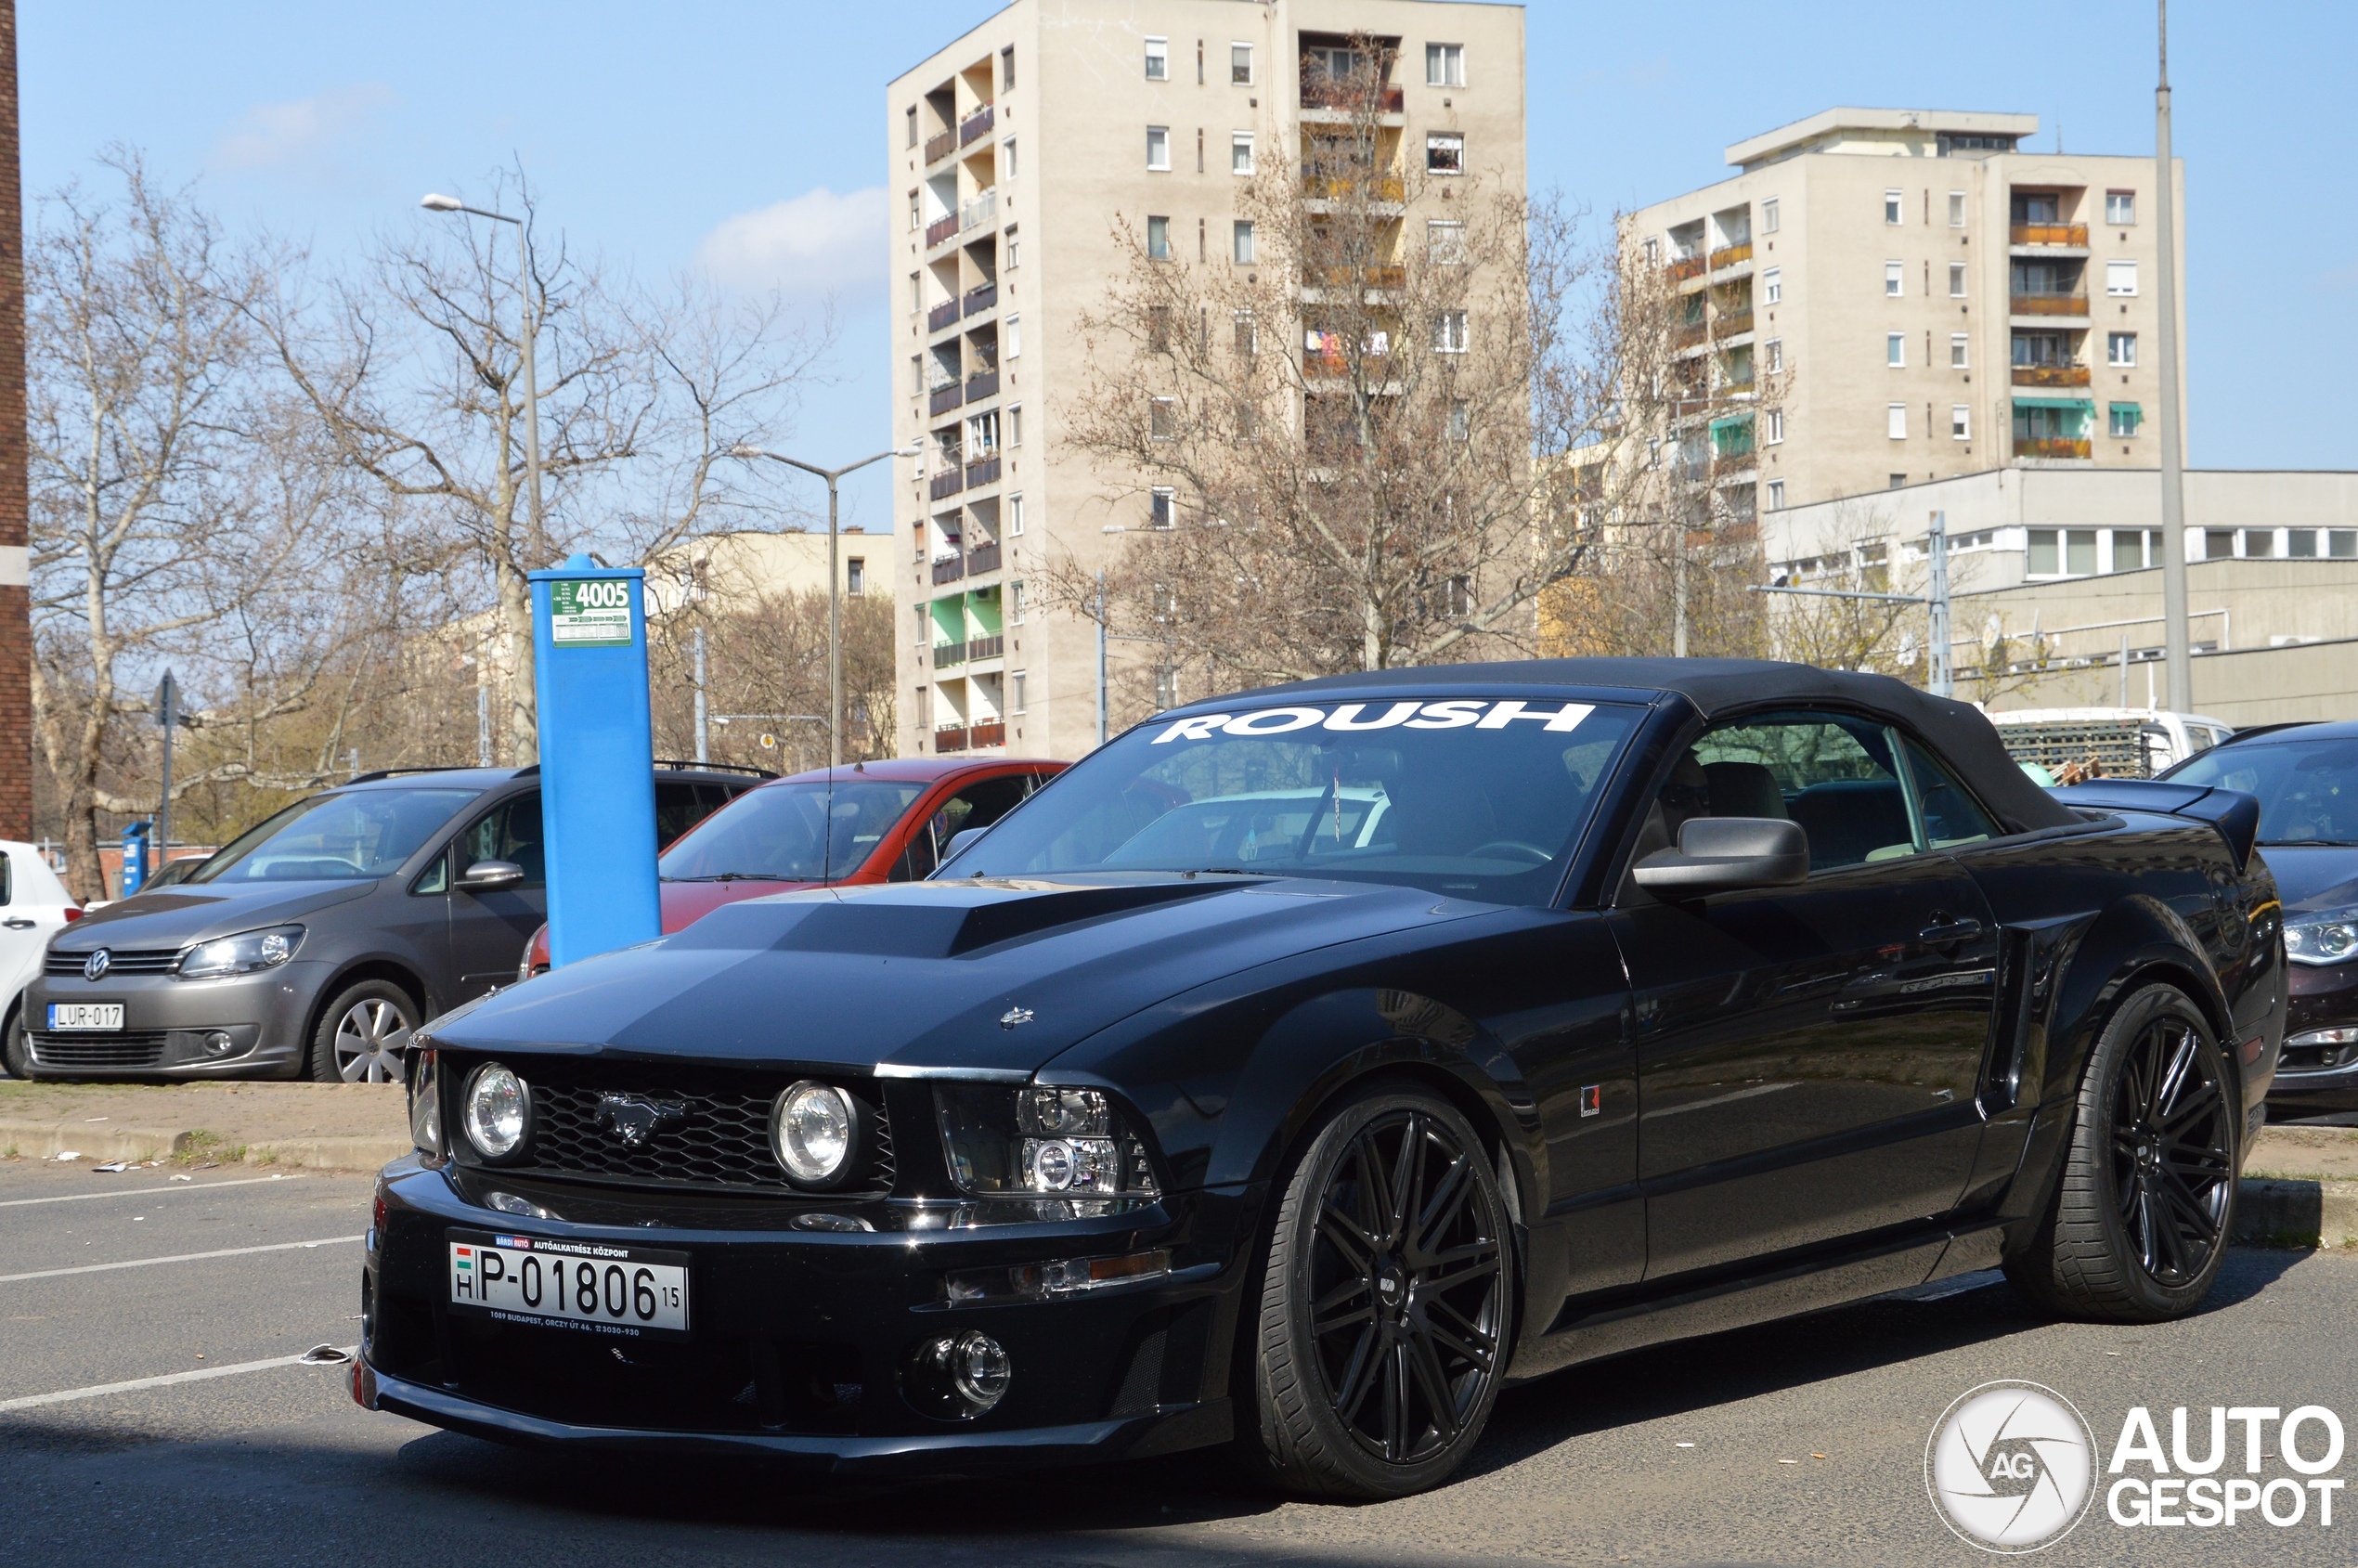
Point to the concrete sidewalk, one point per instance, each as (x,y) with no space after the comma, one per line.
(328,1126)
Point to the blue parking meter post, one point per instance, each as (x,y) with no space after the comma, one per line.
(134,857)
(597,758)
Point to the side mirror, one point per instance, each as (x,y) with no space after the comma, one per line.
(1725,854)
(485,875)
(958,841)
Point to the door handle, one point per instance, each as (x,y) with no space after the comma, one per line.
(18,922)
(1944,930)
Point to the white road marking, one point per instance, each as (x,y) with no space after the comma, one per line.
(134,1191)
(31,1400)
(178,1258)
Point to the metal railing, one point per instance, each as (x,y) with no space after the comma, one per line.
(940,147)
(941,316)
(1729,255)
(1344,187)
(1727,323)
(983,209)
(2053,447)
(2049,304)
(976,123)
(992,733)
(2051,375)
(982,472)
(948,484)
(1365,277)
(986,647)
(981,386)
(940,229)
(2047,234)
(979,300)
(947,653)
(945,399)
(949,569)
(982,558)
(950,738)
(1684,267)
(1321,91)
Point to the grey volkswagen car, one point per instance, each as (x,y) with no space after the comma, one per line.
(312,944)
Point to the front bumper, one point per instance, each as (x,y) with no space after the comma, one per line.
(2308,1084)
(800,1337)
(166,1022)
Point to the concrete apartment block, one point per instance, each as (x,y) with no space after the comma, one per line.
(1015,151)
(1939,297)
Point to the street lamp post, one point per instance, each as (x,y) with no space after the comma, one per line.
(835,577)
(435,202)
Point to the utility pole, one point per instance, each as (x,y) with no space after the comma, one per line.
(704,752)
(2178,647)
(1101,658)
(1942,673)
(167,715)
(15,560)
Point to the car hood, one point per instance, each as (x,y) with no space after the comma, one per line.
(938,978)
(684,904)
(180,916)
(2313,878)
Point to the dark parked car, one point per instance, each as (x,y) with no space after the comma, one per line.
(2305,778)
(875,822)
(1300,1067)
(314,944)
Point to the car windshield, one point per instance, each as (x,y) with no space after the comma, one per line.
(1473,796)
(341,837)
(2308,790)
(792,832)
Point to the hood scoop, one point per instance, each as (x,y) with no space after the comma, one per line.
(939,921)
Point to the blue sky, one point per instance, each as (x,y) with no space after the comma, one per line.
(751,139)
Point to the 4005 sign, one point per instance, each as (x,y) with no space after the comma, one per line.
(589,613)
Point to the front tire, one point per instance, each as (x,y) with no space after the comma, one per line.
(360,1034)
(2139,1225)
(1386,1311)
(15,1051)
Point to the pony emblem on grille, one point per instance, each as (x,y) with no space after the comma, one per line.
(633,1117)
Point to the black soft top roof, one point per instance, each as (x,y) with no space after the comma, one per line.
(1958,730)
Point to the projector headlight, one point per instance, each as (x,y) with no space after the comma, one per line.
(2326,937)
(1051,1142)
(241,954)
(499,1111)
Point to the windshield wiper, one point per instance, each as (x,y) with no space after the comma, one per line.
(2308,843)
(736,877)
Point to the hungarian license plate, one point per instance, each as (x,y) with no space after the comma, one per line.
(590,1287)
(86,1015)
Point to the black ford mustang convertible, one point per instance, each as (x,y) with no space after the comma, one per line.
(1302,1066)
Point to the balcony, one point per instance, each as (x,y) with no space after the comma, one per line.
(979,300)
(1687,334)
(1684,267)
(977,124)
(1728,323)
(982,472)
(941,316)
(1347,188)
(952,738)
(982,558)
(949,569)
(2050,305)
(983,209)
(942,229)
(940,147)
(1321,91)
(1729,255)
(986,647)
(2047,234)
(1365,277)
(946,655)
(948,484)
(980,386)
(945,399)
(2053,447)
(2051,375)
(992,733)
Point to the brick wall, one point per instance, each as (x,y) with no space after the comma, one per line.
(16,629)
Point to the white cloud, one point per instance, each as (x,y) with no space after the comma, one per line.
(817,243)
(270,134)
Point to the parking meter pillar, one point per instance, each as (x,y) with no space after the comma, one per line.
(597,758)
(134,857)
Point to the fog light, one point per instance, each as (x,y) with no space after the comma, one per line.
(958,1376)
(218,1044)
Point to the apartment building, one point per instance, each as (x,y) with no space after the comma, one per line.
(1920,295)
(1017,149)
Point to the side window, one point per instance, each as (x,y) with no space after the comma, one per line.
(676,810)
(1950,816)
(510,831)
(8,883)
(1836,775)
(978,805)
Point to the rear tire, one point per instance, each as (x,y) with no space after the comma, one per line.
(2139,1224)
(15,1051)
(1386,1311)
(350,1044)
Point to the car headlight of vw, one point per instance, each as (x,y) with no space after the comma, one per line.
(2322,937)
(242,954)
(1039,1141)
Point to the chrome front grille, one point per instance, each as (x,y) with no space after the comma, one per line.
(67,961)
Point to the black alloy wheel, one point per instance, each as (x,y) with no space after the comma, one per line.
(1386,1308)
(2139,1224)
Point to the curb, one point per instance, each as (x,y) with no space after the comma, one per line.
(2320,1213)
(47,1140)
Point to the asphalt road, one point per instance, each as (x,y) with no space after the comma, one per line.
(1701,1453)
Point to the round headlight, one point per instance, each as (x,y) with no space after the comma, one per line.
(815,1130)
(498,1107)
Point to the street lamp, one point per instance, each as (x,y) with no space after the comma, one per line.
(747,452)
(435,202)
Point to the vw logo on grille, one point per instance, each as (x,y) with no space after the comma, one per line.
(633,1117)
(95,965)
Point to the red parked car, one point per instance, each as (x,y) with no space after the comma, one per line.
(890,822)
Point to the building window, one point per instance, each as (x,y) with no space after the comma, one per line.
(1461,421)
(1162,507)
(1163,422)
(916,294)
(1956,279)
(1891,278)
(1014,530)
(1015,425)
(1776,495)
(2121,348)
(1445,65)
(1158,59)
(1016,680)
(1895,350)
(916,211)
(1013,334)
(1960,422)
(1891,199)
(1007,68)
(912,124)
(2061,552)
(2260,544)
(1247,334)
(1241,152)
(1445,153)
(1772,354)
(1158,149)
(2129,550)
(1445,244)
(1158,238)
(1772,285)
(2120,277)
(1241,240)
(855,575)
(2120,208)
(1896,421)
(2218,544)
(2126,417)
(1768,216)
(1016,603)
(1956,209)
(1776,427)
(1654,252)
(1957,345)
(1015,247)
(1449,333)
(2300,543)
(1240,65)
(1007,165)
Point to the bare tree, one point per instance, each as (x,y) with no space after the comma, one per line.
(768,656)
